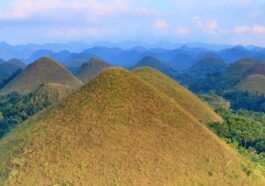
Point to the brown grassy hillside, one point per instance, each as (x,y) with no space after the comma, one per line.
(184,97)
(43,71)
(118,130)
(254,84)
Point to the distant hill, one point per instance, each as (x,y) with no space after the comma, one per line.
(155,63)
(257,69)
(75,66)
(235,72)
(187,100)
(91,69)
(233,54)
(208,65)
(10,67)
(254,84)
(118,130)
(44,70)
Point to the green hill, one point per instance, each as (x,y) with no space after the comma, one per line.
(118,130)
(10,67)
(16,109)
(208,65)
(91,69)
(257,69)
(254,84)
(155,63)
(184,97)
(44,70)
(235,72)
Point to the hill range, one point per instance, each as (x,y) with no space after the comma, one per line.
(120,129)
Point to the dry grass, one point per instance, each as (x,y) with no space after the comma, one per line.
(43,71)
(118,130)
(254,84)
(181,95)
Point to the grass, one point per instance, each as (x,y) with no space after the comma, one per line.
(254,84)
(118,130)
(181,95)
(43,71)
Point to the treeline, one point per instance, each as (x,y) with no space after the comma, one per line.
(245,130)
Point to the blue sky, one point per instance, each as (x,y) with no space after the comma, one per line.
(218,21)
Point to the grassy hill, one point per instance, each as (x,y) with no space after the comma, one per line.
(208,65)
(91,69)
(155,63)
(183,96)
(44,70)
(235,72)
(254,84)
(119,130)
(257,69)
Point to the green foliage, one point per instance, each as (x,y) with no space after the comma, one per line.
(15,109)
(246,131)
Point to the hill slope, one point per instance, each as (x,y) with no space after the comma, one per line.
(257,69)
(184,97)
(208,65)
(16,109)
(43,71)
(118,130)
(254,84)
(91,69)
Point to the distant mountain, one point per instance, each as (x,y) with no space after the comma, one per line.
(208,65)
(233,54)
(44,70)
(119,130)
(183,96)
(254,84)
(92,68)
(155,63)
(235,72)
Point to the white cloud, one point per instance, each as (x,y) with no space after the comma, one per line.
(256,29)
(160,24)
(94,9)
(209,26)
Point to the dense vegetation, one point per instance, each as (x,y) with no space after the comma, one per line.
(246,131)
(15,108)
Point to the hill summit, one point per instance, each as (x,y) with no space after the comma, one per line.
(42,71)
(208,65)
(91,69)
(118,130)
(150,61)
